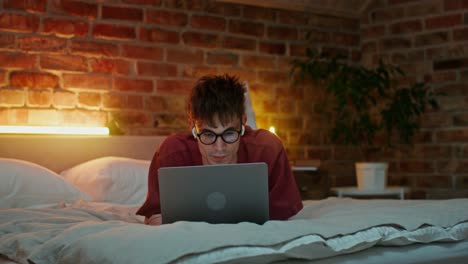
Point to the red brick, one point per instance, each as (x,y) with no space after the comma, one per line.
(273,77)
(18,23)
(111,31)
(397,2)
(113,101)
(133,85)
(39,98)
(135,102)
(94,48)
(224,9)
(28,5)
(259,13)
(156,69)
(405,27)
(460,120)
(246,28)
(64,62)
(455,4)
(159,35)
(157,104)
(460,34)
(3,77)
(64,99)
(292,17)
(272,48)
(447,21)
(197,71)
(239,43)
(132,119)
(332,22)
(152,3)
(77,8)
(142,52)
(315,36)
(433,181)
(440,77)
(18,60)
(258,62)
(222,58)
(82,117)
(184,56)
(65,27)
(42,44)
(423,9)
(11,97)
(191,5)
(450,64)
(416,167)
(373,31)
(89,100)
(33,80)
(282,33)
(86,81)
(42,117)
(111,66)
(122,13)
(454,89)
(203,40)
(167,18)
(242,74)
(174,86)
(395,43)
(168,104)
(171,121)
(297,49)
(7,41)
(344,39)
(208,22)
(458,135)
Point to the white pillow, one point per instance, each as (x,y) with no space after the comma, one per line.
(111,179)
(26,184)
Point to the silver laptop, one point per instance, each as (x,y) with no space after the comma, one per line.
(228,193)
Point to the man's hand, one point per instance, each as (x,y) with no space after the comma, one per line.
(153,220)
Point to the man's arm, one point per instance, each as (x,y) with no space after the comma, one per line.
(285,199)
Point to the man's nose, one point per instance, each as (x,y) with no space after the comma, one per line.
(219,144)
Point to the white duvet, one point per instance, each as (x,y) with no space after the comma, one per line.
(86,232)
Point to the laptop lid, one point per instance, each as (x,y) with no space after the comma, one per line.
(227,193)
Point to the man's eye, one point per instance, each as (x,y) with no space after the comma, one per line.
(208,134)
(229,133)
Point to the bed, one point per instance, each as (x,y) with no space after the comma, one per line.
(68,199)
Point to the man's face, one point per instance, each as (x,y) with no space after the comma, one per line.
(219,152)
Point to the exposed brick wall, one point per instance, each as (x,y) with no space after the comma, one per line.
(429,39)
(83,62)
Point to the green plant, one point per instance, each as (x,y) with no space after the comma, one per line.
(366,106)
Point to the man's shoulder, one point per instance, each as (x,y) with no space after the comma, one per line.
(262,138)
(176,143)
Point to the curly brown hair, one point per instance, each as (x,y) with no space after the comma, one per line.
(219,96)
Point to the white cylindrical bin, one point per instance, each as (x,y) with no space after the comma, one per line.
(371,175)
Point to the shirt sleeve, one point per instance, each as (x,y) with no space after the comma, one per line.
(165,157)
(285,199)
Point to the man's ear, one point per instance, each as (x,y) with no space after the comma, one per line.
(244,119)
(194,132)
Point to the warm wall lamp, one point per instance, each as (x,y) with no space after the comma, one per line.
(54,130)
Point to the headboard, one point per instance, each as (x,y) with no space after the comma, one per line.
(61,152)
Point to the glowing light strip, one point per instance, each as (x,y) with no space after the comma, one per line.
(54,130)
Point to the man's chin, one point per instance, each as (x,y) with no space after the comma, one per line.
(219,160)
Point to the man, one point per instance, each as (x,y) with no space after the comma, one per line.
(219,135)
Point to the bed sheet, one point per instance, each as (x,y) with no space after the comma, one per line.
(86,232)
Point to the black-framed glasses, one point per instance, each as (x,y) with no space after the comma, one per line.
(229,136)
